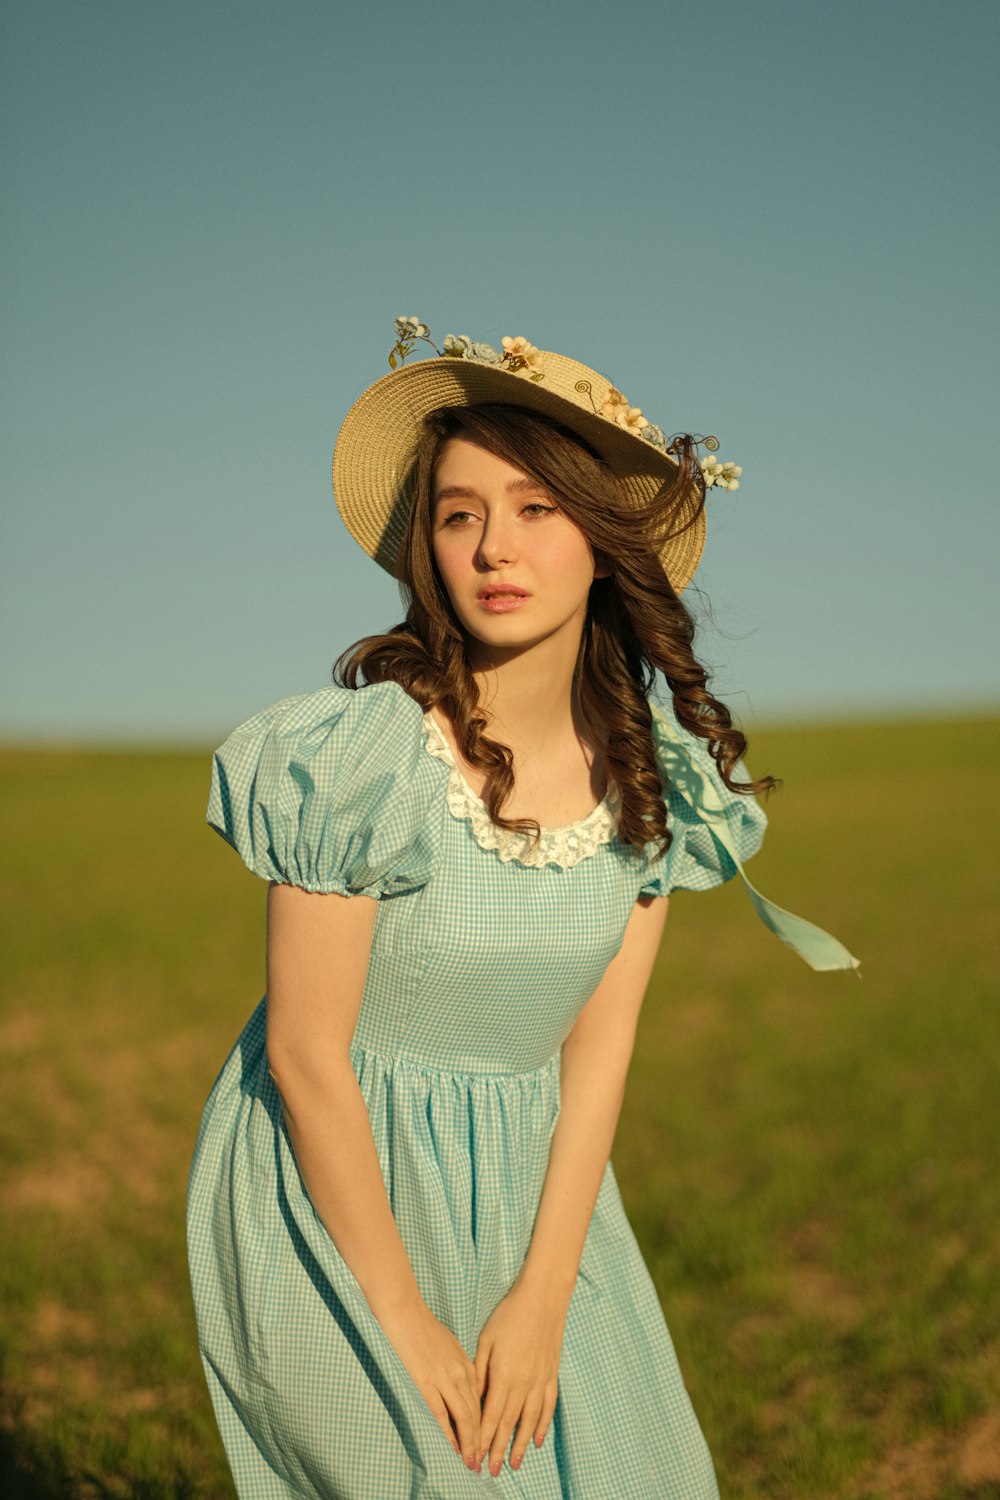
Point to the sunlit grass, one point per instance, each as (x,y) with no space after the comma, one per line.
(810,1162)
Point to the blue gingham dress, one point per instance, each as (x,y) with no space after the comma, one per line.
(484,952)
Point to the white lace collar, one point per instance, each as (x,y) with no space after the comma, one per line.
(563,846)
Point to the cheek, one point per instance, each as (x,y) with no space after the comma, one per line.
(450,558)
(566,543)
(572,557)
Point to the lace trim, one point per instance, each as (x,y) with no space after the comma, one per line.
(564,846)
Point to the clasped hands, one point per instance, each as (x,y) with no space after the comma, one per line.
(512,1383)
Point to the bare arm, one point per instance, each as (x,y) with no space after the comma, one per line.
(317,962)
(595,1062)
(520,1346)
(318,949)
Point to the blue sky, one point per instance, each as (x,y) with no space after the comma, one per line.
(774,222)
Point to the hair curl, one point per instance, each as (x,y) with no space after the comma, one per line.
(635,623)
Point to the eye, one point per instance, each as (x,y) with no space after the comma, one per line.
(538,508)
(456,518)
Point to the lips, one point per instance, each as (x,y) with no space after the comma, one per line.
(502,591)
(501,598)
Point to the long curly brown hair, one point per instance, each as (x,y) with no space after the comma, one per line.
(635,623)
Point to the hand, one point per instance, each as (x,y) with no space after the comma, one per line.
(517,1364)
(442,1372)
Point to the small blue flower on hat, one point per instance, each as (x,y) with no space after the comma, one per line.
(483,354)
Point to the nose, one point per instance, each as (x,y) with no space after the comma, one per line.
(496,543)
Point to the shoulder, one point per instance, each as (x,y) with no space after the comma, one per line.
(308,718)
(331,790)
(704,816)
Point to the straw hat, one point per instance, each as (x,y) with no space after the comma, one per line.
(374,452)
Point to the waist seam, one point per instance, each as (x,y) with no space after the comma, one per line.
(424,1065)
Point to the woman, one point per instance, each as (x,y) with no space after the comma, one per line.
(405,1233)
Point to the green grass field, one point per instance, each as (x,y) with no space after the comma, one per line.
(811,1162)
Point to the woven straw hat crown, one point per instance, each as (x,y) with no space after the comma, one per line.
(373,458)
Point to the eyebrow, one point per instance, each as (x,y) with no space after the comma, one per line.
(467,492)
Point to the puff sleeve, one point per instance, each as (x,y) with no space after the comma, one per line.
(696,860)
(332,791)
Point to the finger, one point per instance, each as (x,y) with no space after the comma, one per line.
(525,1427)
(443,1419)
(465,1415)
(489,1422)
(498,1399)
(476,1418)
(482,1366)
(548,1412)
(475,1405)
(501,1438)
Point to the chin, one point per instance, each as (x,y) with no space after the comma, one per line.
(507,640)
(501,634)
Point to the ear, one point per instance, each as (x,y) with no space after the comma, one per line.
(603,566)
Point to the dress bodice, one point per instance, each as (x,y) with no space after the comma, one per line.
(487,943)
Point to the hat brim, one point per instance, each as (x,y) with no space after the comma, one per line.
(373,456)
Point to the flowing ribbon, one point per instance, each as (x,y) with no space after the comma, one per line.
(819,949)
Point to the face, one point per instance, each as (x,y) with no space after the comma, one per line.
(517,569)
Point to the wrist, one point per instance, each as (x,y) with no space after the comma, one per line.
(551,1284)
(390,1304)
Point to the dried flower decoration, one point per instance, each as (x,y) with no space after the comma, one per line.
(521,357)
(518,354)
(725,475)
(411,328)
(617,408)
(408,331)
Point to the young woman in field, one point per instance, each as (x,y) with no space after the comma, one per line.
(411,1266)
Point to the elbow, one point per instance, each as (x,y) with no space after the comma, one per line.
(278,1068)
(300,1073)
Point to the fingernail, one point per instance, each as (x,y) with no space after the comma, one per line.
(496,1466)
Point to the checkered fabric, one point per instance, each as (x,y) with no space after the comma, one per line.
(478,970)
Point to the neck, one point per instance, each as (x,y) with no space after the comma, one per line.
(530,695)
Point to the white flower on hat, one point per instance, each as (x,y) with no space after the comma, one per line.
(457,345)
(725,475)
(518,354)
(411,328)
(408,331)
(617,408)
